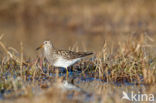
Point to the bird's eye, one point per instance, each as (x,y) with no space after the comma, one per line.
(45,42)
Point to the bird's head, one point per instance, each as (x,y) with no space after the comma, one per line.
(45,45)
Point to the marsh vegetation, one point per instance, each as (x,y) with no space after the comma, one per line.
(120,33)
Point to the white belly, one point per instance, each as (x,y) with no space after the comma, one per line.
(61,62)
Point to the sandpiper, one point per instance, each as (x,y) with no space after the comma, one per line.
(61,58)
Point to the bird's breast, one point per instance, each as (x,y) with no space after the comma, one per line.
(61,62)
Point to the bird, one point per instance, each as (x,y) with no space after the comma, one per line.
(61,58)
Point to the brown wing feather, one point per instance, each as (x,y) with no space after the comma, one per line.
(72,55)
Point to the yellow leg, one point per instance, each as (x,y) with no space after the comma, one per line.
(67,73)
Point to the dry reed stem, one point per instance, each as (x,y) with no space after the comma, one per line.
(10,54)
(21,59)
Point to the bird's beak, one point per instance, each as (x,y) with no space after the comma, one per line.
(40,47)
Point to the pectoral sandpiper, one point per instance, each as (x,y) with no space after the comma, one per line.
(61,58)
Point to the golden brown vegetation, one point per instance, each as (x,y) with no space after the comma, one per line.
(88,23)
(121,33)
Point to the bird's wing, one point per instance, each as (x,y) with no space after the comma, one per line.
(72,55)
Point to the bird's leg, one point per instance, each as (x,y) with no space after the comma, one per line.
(67,73)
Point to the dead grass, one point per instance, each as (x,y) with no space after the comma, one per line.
(68,22)
(129,63)
(121,34)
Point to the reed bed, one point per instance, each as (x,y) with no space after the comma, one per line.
(129,63)
(120,33)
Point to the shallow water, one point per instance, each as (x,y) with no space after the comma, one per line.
(83,83)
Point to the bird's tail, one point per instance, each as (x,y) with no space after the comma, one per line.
(86,54)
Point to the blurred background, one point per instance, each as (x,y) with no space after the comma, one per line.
(81,23)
